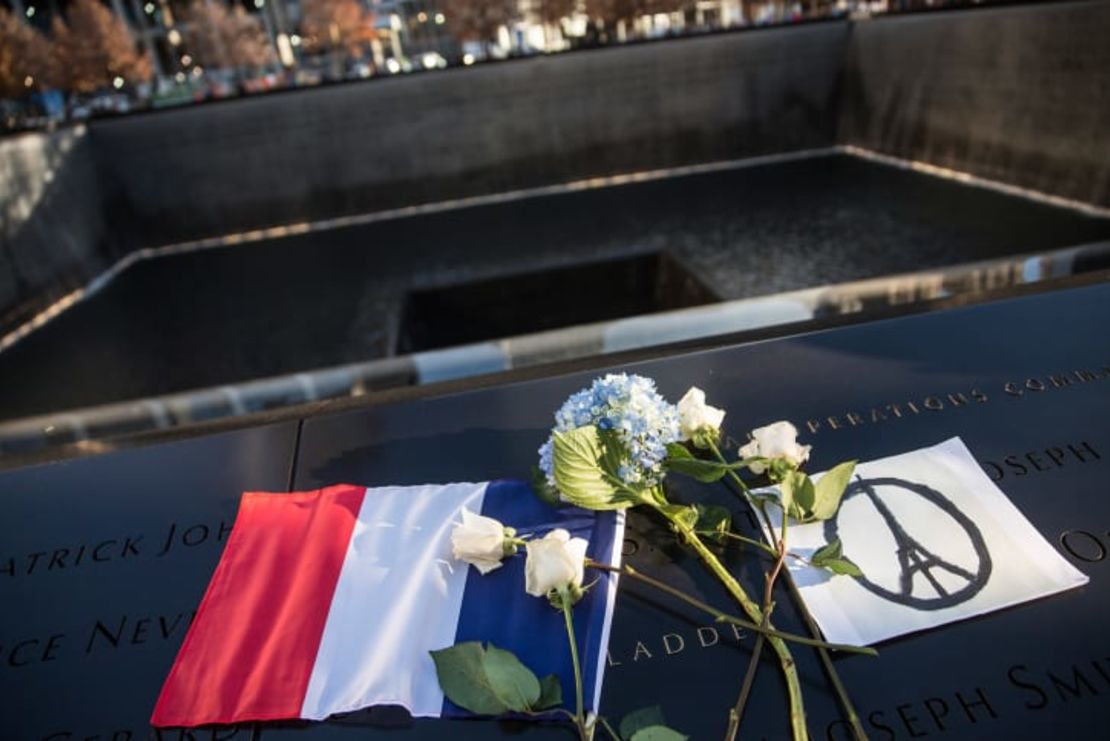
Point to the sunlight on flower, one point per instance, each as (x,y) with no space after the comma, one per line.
(642,420)
(481,541)
(697,419)
(776,440)
(554,561)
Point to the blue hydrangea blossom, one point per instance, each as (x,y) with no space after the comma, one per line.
(643,421)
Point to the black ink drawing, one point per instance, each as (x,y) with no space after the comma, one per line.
(915,558)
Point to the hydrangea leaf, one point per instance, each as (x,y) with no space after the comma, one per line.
(579,456)
(612,452)
(546,493)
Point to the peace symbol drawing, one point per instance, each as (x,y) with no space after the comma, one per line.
(941,560)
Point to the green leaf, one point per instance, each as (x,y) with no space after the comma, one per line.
(830,489)
(805,494)
(747,462)
(678,450)
(779,468)
(551,693)
(826,552)
(681,460)
(786,494)
(657,733)
(462,675)
(513,682)
(843,566)
(640,719)
(612,452)
(683,514)
(704,471)
(579,456)
(831,557)
(714,519)
(485,681)
(546,493)
(764,498)
(798,496)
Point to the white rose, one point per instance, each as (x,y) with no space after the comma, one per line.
(695,416)
(480,541)
(776,440)
(554,561)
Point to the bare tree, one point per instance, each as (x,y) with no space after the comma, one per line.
(25,58)
(93,47)
(553,11)
(611,12)
(478,20)
(336,26)
(219,38)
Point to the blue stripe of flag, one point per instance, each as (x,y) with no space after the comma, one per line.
(496,609)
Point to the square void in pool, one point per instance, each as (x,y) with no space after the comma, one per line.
(548,299)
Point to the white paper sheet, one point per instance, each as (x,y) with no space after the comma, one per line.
(937,542)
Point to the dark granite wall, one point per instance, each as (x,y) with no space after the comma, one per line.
(1018,94)
(429,137)
(54,233)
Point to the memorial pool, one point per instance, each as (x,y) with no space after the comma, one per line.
(210,317)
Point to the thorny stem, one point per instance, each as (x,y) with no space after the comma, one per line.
(763,616)
(755,544)
(723,617)
(826,660)
(743,539)
(789,669)
(737,713)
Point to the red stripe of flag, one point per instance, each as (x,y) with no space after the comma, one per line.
(251,648)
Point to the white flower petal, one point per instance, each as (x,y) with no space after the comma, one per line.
(484,566)
(558,534)
(695,416)
(576,550)
(554,561)
(479,541)
(776,440)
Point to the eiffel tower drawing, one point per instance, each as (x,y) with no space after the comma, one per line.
(913,557)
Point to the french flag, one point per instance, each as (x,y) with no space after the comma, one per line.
(329,601)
